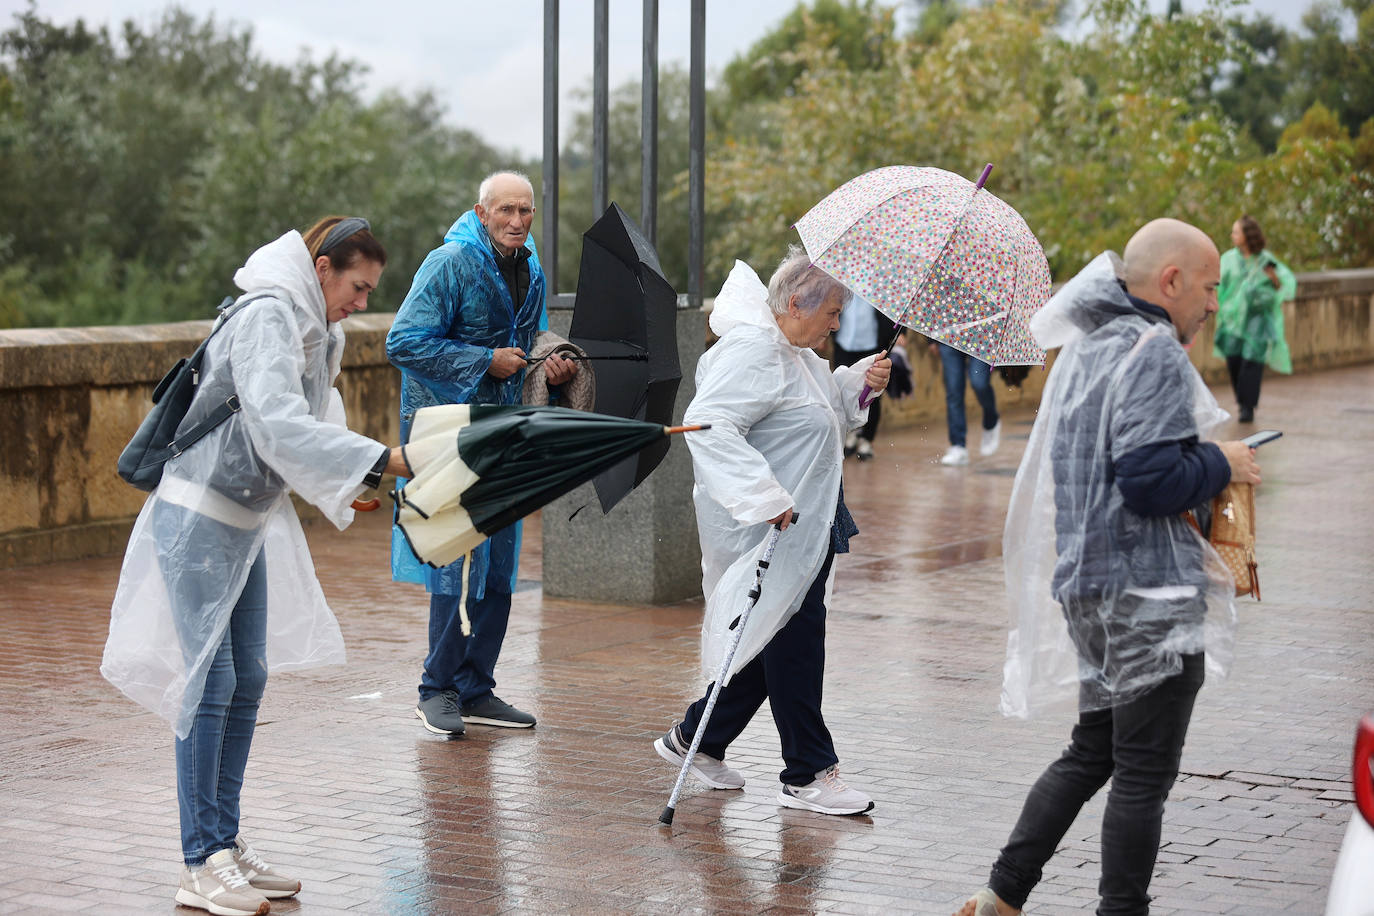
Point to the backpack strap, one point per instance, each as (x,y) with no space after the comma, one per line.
(230,406)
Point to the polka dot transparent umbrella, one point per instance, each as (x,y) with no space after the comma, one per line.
(937,253)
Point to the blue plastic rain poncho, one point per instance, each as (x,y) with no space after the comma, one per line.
(227,497)
(778,417)
(459,309)
(1101,598)
(1250,316)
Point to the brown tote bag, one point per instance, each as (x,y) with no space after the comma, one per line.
(1233,535)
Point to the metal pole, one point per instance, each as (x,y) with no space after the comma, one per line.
(696,246)
(648,126)
(600,105)
(548,253)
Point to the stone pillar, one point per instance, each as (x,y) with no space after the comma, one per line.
(645,551)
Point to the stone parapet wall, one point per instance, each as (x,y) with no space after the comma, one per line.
(70,399)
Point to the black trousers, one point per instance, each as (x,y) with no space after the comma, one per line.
(845,357)
(1138,745)
(788,673)
(1245,380)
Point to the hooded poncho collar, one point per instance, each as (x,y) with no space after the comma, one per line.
(1091,299)
(284,268)
(743,300)
(468,230)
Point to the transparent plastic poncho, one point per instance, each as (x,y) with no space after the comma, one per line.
(778,417)
(227,497)
(1104,602)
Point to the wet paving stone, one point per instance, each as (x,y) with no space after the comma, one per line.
(378,816)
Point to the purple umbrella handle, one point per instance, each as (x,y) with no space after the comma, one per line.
(864,399)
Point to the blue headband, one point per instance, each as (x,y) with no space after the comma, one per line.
(342,230)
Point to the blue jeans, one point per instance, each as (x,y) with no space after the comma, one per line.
(1138,745)
(954,363)
(788,673)
(211,759)
(467,664)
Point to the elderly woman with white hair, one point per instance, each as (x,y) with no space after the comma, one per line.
(778,419)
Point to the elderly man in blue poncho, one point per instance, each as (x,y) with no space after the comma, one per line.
(461,337)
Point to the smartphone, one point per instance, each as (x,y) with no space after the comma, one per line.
(1255,440)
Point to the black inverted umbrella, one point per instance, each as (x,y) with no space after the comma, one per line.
(625,308)
(477,469)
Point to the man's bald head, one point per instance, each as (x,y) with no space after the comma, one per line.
(1176,266)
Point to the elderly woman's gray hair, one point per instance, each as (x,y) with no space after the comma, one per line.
(796,276)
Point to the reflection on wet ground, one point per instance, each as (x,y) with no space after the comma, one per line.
(378,816)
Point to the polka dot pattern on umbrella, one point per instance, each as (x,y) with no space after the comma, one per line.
(937,255)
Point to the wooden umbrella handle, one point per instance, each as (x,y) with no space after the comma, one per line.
(367,505)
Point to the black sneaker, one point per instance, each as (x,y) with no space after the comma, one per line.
(440,714)
(495,711)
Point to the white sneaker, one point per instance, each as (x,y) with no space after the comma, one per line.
(827,794)
(957,456)
(865,450)
(992,438)
(265,879)
(851,442)
(708,769)
(219,886)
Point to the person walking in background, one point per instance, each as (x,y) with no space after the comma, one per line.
(217,587)
(1096,537)
(857,337)
(1254,287)
(955,366)
(461,337)
(777,416)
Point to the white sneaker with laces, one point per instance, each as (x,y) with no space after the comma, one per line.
(708,769)
(219,886)
(827,793)
(265,879)
(956,456)
(992,438)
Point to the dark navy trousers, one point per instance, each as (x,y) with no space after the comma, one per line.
(788,673)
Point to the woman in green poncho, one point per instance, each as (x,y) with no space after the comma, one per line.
(1254,286)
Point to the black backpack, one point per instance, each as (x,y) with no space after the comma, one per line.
(156,439)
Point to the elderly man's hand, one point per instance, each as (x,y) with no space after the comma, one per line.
(506,361)
(559,369)
(1241,458)
(877,375)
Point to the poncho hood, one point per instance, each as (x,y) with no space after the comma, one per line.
(468,229)
(284,268)
(743,300)
(1095,296)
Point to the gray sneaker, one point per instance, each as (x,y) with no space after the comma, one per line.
(708,769)
(265,879)
(495,711)
(219,886)
(827,794)
(440,714)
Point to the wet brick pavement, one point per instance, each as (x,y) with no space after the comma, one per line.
(378,816)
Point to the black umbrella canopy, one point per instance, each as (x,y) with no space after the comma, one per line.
(625,307)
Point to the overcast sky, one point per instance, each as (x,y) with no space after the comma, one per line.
(484,58)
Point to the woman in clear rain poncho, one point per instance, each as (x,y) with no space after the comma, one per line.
(778,419)
(217,587)
(1254,287)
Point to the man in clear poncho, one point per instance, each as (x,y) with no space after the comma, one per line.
(461,337)
(1114,595)
(778,418)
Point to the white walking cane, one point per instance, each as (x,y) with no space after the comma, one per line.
(738,626)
